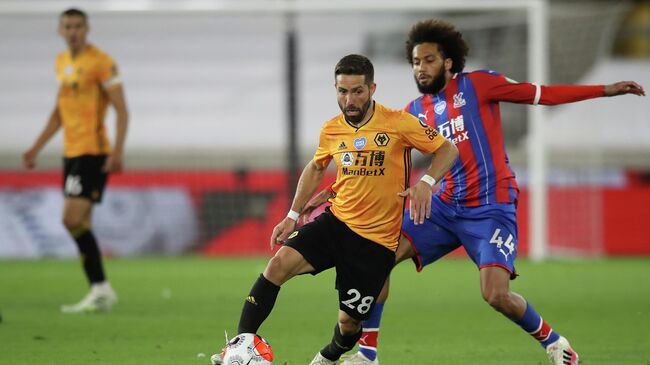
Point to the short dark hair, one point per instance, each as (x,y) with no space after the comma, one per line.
(74,12)
(355,64)
(449,40)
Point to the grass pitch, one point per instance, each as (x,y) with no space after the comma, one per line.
(173,310)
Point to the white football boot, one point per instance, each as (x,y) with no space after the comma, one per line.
(561,353)
(321,360)
(100,298)
(216,359)
(359,359)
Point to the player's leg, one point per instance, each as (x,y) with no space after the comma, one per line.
(346,334)
(84,186)
(496,292)
(495,252)
(361,272)
(77,220)
(424,244)
(367,353)
(307,250)
(77,214)
(286,263)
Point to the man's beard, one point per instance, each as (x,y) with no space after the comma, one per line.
(356,119)
(436,86)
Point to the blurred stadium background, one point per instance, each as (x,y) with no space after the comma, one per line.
(222,112)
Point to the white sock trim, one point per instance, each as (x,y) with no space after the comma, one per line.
(538,94)
(368,348)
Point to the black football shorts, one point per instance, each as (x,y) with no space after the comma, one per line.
(83,177)
(362,266)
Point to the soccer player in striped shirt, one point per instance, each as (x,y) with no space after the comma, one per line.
(475,204)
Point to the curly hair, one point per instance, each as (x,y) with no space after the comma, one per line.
(449,40)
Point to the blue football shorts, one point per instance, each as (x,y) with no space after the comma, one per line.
(488,233)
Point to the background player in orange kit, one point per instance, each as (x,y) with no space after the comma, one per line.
(88,83)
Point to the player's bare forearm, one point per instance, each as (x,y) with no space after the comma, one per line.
(309,181)
(316,201)
(51,127)
(116,97)
(443,160)
(420,193)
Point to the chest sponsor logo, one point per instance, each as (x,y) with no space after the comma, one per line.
(360,143)
(363,163)
(381,139)
(440,107)
(454,130)
(459,100)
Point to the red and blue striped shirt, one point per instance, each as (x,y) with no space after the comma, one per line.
(467,113)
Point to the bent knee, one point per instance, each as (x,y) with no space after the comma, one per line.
(276,269)
(497,299)
(285,265)
(72,223)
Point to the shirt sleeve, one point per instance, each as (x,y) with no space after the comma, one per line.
(107,72)
(496,87)
(419,135)
(322,156)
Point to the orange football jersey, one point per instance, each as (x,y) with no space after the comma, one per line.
(373,164)
(82,100)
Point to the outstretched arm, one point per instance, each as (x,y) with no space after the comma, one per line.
(420,193)
(52,126)
(310,179)
(499,88)
(561,94)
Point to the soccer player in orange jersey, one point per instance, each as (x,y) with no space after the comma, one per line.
(370,145)
(89,83)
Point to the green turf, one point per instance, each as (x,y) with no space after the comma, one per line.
(173,309)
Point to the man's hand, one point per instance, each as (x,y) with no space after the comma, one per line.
(420,202)
(29,159)
(282,231)
(113,163)
(319,199)
(624,87)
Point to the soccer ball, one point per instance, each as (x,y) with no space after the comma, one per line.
(248,349)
